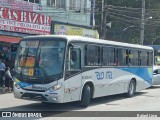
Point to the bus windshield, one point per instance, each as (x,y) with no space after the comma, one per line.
(40,59)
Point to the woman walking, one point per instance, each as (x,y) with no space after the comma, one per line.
(8,80)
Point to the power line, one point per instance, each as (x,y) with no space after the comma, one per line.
(129,8)
(129,21)
(124,15)
(153,23)
(125,11)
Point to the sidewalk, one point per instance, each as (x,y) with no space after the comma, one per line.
(1,89)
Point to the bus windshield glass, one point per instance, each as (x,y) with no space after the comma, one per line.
(40,59)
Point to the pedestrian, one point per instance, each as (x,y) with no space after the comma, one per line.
(2,72)
(8,81)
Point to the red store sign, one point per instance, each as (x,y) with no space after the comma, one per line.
(20,5)
(24,21)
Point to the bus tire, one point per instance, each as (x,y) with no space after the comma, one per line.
(131,88)
(86,96)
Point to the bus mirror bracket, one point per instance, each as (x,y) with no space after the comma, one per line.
(71,45)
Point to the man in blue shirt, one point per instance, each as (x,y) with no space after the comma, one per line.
(2,65)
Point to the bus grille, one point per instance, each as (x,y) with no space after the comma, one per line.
(34,96)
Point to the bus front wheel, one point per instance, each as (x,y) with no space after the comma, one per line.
(86,96)
(131,88)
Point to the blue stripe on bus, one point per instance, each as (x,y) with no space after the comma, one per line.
(144,73)
(23,84)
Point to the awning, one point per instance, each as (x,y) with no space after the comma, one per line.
(9,39)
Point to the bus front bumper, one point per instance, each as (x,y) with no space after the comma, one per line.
(47,96)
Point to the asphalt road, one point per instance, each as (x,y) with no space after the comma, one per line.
(146,101)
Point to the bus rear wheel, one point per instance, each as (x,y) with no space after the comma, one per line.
(86,96)
(131,88)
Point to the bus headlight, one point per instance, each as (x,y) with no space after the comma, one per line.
(56,87)
(16,85)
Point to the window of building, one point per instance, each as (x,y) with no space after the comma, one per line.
(108,56)
(60,3)
(72,4)
(92,55)
(56,3)
(37,1)
(51,2)
(33,1)
(85,5)
(78,5)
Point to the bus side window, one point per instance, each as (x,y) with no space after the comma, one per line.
(74,59)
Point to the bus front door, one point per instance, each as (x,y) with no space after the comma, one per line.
(73,75)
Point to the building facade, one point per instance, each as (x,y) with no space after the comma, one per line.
(25,17)
(78,12)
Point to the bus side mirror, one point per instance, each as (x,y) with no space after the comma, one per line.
(154,73)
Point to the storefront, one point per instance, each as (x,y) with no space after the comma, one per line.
(16,24)
(8,49)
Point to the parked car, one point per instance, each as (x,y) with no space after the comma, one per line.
(156,75)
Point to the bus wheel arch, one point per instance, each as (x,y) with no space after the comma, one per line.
(86,94)
(131,87)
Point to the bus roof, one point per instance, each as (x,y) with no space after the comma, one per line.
(155,47)
(93,40)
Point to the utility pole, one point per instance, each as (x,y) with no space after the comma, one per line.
(102,15)
(142,23)
(103,19)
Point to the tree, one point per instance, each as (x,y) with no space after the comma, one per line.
(125,13)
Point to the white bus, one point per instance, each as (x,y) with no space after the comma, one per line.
(60,69)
